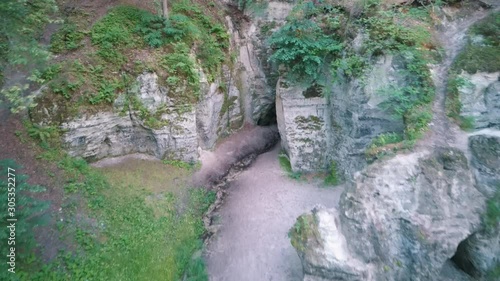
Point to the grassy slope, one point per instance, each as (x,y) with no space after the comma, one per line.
(100,59)
(138,220)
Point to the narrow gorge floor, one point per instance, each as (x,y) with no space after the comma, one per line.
(262,205)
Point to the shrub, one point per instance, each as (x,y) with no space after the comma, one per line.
(181,67)
(287,167)
(67,38)
(417,120)
(115,31)
(302,46)
(28,213)
(332,178)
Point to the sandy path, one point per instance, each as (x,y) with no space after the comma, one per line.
(262,205)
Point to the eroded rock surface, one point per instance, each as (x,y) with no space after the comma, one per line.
(338,125)
(402,219)
(480,98)
(179,131)
(479,255)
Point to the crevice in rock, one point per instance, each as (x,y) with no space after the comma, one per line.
(268,118)
(462,258)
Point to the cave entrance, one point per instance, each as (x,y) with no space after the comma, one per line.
(462,258)
(268,118)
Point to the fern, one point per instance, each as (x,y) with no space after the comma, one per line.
(304,47)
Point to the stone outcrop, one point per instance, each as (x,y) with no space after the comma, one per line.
(219,109)
(402,219)
(319,126)
(120,131)
(479,254)
(255,81)
(180,129)
(480,98)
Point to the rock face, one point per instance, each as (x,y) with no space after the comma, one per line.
(480,98)
(253,70)
(402,219)
(303,127)
(338,124)
(485,150)
(219,109)
(479,255)
(181,130)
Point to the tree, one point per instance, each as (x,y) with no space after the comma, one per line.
(165,8)
(21,23)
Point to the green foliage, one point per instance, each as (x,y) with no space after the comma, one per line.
(115,32)
(49,73)
(43,134)
(351,65)
(417,120)
(287,167)
(16,98)
(494,274)
(28,211)
(134,227)
(492,216)
(489,28)
(302,45)
(304,228)
(388,35)
(21,23)
(388,138)
(411,102)
(189,25)
(478,58)
(481,53)
(68,38)
(64,87)
(332,178)
(182,69)
(181,164)
(384,145)
(196,270)
(105,93)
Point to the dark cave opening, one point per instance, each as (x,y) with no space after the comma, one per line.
(462,258)
(269,117)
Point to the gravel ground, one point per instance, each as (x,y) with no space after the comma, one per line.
(262,205)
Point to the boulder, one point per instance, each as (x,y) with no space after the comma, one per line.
(321,126)
(479,255)
(401,219)
(480,98)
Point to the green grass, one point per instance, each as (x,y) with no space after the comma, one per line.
(123,47)
(150,225)
(147,222)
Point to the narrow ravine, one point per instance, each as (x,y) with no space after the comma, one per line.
(261,206)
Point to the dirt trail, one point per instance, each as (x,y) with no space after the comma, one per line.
(263,203)
(443,131)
